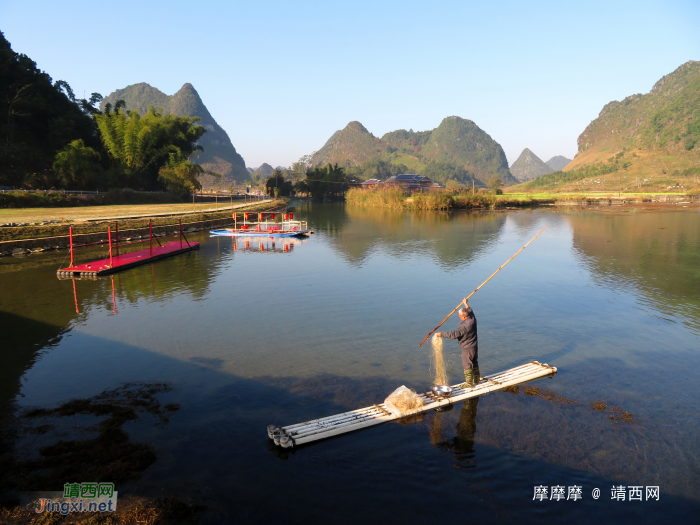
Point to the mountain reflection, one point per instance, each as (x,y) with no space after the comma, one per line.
(452,240)
(658,253)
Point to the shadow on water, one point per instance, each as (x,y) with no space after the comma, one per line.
(214,451)
(23,340)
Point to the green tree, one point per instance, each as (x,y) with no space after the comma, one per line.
(140,146)
(77,166)
(180,176)
(299,168)
(39,119)
(329,181)
(442,172)
(496,184)
(301,187)
(276,185)
(256,178)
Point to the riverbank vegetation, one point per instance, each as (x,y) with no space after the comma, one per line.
(396,198)
(59,199)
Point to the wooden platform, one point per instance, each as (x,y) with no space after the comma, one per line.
(126,260)
(330,426)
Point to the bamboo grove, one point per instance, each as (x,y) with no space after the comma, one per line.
(51,139)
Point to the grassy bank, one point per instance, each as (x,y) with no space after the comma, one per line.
(56,199)
(445,200)
(37,231)
(585,198)
(437,200)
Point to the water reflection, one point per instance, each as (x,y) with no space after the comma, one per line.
(656,253)
(453,241)
(461,444)
(266,244)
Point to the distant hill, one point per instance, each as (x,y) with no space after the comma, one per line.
(558,163)
(647,142)
(456,142)
(529,166)
(264,170)
(218,156)
(349,146)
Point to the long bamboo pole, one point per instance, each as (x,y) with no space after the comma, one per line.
(482,284)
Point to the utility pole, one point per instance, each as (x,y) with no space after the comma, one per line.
(619,193)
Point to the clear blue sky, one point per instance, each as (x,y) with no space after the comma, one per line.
(281,77)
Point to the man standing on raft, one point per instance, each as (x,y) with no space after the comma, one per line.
(467,339)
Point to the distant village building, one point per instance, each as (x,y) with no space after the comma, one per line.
(411,182)
(371,184)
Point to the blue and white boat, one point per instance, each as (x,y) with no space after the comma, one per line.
(230,232)
(265,226)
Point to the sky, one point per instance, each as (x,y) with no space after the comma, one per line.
(281,77)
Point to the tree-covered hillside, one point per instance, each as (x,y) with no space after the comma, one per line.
(657,132)
(349,146)
(39,118)
(456,150)
(646,143)
(218,153)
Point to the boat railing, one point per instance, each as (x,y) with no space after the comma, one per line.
(265,226)
(291,225)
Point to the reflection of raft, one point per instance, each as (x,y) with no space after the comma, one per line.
(326,427)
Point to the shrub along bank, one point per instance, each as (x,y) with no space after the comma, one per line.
(395,198)
(57,199)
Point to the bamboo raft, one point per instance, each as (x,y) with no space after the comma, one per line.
(326,427)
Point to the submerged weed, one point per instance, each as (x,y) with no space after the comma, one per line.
(109,457)
(599,406)
(548,395)
(620,415)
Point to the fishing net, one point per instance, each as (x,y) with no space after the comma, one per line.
(401,400)
(437,362)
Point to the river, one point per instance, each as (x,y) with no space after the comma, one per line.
(245,336)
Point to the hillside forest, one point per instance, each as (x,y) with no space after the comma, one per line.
(51,139)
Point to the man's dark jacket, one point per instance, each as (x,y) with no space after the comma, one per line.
(467,339)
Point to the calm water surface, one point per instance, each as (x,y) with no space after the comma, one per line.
(247,337)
